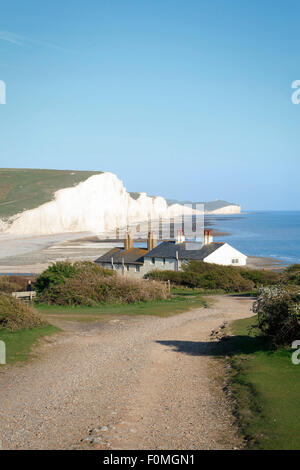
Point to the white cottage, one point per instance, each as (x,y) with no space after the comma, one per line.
(170,255)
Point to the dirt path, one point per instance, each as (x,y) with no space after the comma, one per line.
(138,383)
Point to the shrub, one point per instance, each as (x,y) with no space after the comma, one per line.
(173,276)
(258,277)
(261,278)
(206,276)
(278,313)
(292,274)
(54,274)
(15,315)
(59,272)
(229,282)
(15,283)
(293,268)
(89,284)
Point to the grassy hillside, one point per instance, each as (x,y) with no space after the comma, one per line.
(264,386)
(22,189)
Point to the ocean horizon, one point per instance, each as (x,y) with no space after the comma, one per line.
(274,234)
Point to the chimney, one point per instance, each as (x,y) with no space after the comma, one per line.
(180,237)
(128,242)
(150,241)
(154,240)
(207,237)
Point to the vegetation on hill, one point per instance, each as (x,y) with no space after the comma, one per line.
(292,274)
(263,385)
(22,189)
(180,300)
(134,195)
(19,343)
(278,314)
(214,276)
(15,315)
(263,381)
(21,325)
(14,283)
(86,283)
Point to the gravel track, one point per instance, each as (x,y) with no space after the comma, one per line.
(133,383)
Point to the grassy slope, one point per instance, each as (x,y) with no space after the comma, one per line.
(19,343)
(182,300)
(22,189)
(265,386)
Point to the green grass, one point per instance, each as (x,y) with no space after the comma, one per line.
(19,343)
(22,189)
(181,301)
(265,389)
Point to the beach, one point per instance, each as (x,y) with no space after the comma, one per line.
(33,254)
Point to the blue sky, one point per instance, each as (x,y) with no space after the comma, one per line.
(186,99)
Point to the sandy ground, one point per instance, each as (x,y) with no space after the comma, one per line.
(33,254)
(256,262)
(134,383)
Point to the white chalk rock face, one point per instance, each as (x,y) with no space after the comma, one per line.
(231,209)
(99,204)
(3,226)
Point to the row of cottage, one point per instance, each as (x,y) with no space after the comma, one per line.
(169,255)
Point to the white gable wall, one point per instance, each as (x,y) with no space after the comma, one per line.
(225,256)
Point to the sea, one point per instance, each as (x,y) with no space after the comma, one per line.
(274,234)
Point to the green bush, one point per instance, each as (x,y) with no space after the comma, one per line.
(278,313)
(258,277)
(15,315)
(261,278)
(292,274)
(293,268)
(60,271)
(206,276)
(54,275)
(175,277)
(89,284)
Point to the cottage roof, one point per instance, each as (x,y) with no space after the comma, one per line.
(168,249)
(131,256)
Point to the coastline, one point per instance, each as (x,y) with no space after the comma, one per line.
(256,262)
(32,255)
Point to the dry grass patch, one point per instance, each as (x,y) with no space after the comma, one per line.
(15,315)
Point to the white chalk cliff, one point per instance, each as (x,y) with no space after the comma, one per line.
(230,209)
(98,204)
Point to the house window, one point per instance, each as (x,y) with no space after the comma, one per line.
(152,261)
(137,268)
(235,261)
